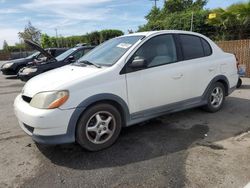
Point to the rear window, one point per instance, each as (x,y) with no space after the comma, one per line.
(207,48)
(191,46)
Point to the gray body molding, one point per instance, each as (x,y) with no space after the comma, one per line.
(130,119)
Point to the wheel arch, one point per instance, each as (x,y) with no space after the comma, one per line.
(112,99)
(220,78)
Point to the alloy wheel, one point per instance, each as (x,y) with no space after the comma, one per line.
(100,127)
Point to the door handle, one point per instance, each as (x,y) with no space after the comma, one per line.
(177,76)
(211,69)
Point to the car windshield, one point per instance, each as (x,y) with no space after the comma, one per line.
(65,54)
(33,55)
(111,51)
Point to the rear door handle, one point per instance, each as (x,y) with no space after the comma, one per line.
(211,69)
(177,76)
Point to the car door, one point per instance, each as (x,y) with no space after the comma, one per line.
(199,64)
(162,81)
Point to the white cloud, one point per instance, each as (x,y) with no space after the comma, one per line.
(9,11)
(67,3)
(74,9)
(64,13)
(70,17)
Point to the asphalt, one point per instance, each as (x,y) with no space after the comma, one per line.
(192,148)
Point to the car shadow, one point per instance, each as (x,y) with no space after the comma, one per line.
(157,146)
(137,143)
(244,86)
(11,77)
(155,138)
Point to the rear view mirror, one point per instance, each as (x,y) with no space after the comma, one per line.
(138,63)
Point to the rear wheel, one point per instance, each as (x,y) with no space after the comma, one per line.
(239,83)
(98,127)
(215,97)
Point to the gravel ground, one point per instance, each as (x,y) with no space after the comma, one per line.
(186,149)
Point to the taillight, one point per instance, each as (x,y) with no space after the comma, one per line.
(237,62)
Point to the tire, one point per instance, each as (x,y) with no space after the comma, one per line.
(98,127)
(215,97)
(239,83)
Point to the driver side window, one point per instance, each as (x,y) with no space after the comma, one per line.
(78,54)
(159,50)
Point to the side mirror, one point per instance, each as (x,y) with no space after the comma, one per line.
(71,58)
(138,63)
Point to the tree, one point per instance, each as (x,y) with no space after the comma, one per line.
(175,14)
(5,45)
(45,41)
(231,23)
(30,32)
(93,38)
(241,14)
(155,20)
(109,33)
(53,42)
(173,6)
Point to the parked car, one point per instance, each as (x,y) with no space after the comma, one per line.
(12,67)
(124,81)
(65,58)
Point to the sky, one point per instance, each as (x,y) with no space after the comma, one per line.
(77,17)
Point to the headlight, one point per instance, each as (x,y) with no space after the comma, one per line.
(29,70)
(7,65)
(49,99)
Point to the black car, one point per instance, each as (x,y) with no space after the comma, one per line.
(68,57)
(12,67)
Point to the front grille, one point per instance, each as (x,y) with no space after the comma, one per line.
(30,129)
(26,99)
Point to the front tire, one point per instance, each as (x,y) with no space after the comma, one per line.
(215,97)
(98,127)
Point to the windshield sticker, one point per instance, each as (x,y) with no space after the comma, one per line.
(124,45)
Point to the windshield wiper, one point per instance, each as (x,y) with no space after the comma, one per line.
(89,63)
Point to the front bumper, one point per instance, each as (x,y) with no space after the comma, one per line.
(24,77)
(8,71)
(45,126)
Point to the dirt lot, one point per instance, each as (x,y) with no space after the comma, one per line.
(186,149)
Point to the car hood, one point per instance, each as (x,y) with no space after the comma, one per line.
(22,60)
(56,79)
(38,48)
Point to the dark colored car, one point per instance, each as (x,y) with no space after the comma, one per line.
(68,57)
(12,67)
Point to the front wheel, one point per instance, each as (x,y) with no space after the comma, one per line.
(215,97)
(98,127)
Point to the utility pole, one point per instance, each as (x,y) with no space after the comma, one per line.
(192,22)
(56,37)
(155,2)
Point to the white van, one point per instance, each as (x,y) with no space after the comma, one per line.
(124,81)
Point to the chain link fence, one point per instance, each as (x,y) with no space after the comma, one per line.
(14,55)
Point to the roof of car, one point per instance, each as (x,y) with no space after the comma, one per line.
(56,48)
(148,33)
(83,47)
